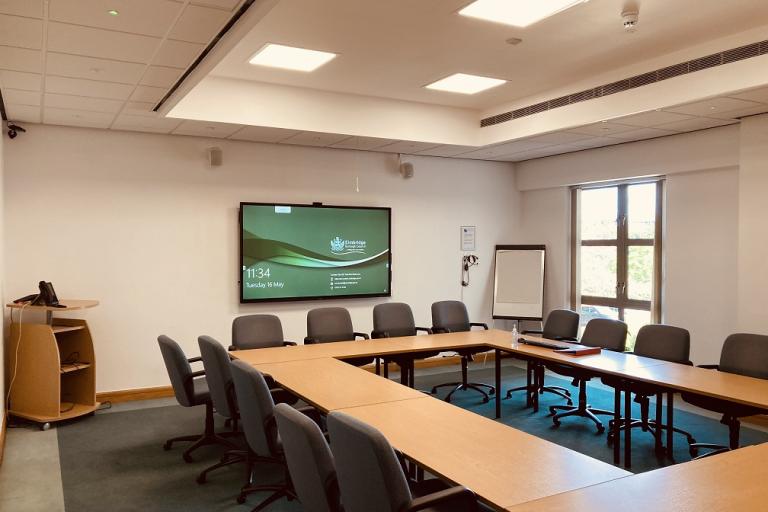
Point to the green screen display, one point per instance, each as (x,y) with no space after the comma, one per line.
(294,252)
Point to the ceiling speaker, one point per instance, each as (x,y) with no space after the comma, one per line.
(215,157)
(406,170)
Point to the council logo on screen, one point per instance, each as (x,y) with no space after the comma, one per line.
(340,246)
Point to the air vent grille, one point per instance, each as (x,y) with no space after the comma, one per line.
(684,68)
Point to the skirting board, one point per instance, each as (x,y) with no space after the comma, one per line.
(130,395)
(3,426)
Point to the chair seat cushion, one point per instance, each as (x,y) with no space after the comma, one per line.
(200,393)
(721,406)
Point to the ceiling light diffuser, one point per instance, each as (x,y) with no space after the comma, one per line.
(288,57)
(518,13)
(465,84)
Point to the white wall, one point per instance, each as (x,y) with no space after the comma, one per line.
(2,275)
(141,223)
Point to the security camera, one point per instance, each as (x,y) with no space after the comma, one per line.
(14,129)
(629,19)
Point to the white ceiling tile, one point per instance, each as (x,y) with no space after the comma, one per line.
(447,150)
(21,32)
(709,108)
(206,129)
(28,8)
(21,59)
(642,134)
(82,103)
(199,24)
(96,42)
(77,118)
(489,153)
(90,88)
(22,113)
(597,142)
(161,76)
(602,129)
(314,139)
(696,123)
(362,143)
(104,70)
(148,94)
(147,17)
(758,108)
(760,95)
(21,97)
(145,124)
(263,134)
(221,4)
(652,118)
(138,108)
(563,137)
(522,145)
(19,80)
(407,147)
(177,54)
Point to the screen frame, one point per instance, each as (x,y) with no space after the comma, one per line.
(243,300)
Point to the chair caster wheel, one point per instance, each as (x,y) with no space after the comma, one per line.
(188,458)
(201,479)
(45,426)
(600,430)
(555,424)
(492,392)
(694,452)
(486,400)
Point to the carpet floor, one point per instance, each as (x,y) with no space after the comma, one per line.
(116,462)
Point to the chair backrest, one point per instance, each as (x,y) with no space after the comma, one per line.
(561,323)
(605,333)
(218,375)
(664,342)
(309,459)
(394,318)
(450,315)
(256,331)
(256,409)
(329,324)
(178,369)
(745,354)
(370,476)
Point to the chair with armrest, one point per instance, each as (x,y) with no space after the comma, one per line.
(394,319)
(742,354)
(191,390)
(309,460)
(371,477)
(327,325)
(599,332)
(451,316)
(666,343)
(561,325)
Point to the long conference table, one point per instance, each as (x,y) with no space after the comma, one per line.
(509,469)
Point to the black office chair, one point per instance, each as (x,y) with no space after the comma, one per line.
(666,343)
(561,325)
(258,331)
(394,319)
(326,325)
(600,332)
(371,478)
(310,461)
(191,390)
(742,354)
(451,316)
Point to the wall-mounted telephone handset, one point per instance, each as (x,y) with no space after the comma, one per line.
(46,297)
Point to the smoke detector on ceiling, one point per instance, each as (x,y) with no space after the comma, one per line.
(629,19)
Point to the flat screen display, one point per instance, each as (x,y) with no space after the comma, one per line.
(302,252)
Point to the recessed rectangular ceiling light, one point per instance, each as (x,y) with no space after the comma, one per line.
(465,84)
(288,57)
(518,13)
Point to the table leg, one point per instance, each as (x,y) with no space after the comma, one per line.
(617,423)
(659,400)
(538,378)
(528,383)
(498,382)
(627,422)
(404,372)
(670,423)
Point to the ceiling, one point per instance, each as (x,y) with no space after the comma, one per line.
(392,48)
(70,62)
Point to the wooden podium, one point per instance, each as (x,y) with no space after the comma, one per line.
(55,375)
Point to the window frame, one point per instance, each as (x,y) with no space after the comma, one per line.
(622,242)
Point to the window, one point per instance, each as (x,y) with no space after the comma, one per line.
(616,253)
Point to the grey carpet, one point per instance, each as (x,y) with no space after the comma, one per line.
(116,462)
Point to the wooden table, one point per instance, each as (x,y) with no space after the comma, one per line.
(502,465)
(733,481)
